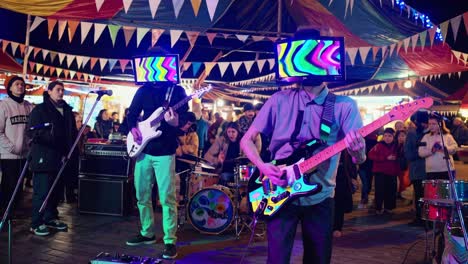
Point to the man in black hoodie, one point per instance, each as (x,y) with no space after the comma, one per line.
(49,150)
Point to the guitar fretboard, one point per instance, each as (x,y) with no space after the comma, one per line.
(158,119)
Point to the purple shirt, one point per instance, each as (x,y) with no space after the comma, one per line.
(277,119)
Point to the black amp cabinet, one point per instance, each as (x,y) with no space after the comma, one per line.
(105,160)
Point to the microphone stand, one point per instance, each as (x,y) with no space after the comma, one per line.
(13,196)
(70,152)
(453,190)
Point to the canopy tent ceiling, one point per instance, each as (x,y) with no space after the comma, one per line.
(232,41)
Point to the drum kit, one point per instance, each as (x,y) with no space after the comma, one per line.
(212,208)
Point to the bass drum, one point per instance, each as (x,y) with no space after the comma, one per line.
(211,210)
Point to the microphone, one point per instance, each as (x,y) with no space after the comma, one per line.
(437,115)
(102,92)
(40,126)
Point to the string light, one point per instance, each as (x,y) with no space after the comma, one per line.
(425,20)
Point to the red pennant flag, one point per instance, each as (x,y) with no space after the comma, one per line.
(211,37)
(22,47)
(78,75)
(36,51)
(123,64)
(67,73)
(432,32)
(52,70)
(72,25)
(93,62)
(31,65)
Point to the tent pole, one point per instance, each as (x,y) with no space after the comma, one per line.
(280,6)
(26,48)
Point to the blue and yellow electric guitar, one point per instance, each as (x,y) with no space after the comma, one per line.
(267,198)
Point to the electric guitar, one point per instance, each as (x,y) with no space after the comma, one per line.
(149,127)
(267,198)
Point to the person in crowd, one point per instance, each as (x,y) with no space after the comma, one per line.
(246,120)
(346,184)
(123,128)
(432,150)
(459,131)
(202,132)
(157,163)
(115,127)
(115,117)
(399,126)
(223,152)
(416,164)
(365,171)
(89,133)
(386,169)
(188,145)
(314,211)
(215,127)
(48,152)
(103,125)
(403,178)
(14,115)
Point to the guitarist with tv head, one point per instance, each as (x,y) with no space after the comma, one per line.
(157,162)
(293,117)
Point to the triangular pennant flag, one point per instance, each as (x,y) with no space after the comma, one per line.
(72,25)
(37,21)
(351,5)
(406,44)
(375,50)
(85,27)
(31,65)
(465,21)
(457,55)
(14,47)
(141,33)
(352,54)
(363,51)
(260,64)
(192,37)
(273,39)
(79,75)
(196,67)
(79,61)
(70,59)
(38,67)
(51,25)
(242,38)
(257,38)
(444,29)
(52,70)
(235,66)
(53,54)
(175,35)
(211,37)
(177,6)
(459,74)
(91,77)
(248,65)
(85,61)
(414,41)
(128,33)
(271,63)
(99,4)
(391,85)
(450,75)
(85,77)
(127,4)
(186,65)
(212,4)
(46,69)
(155,34)
(59,71)
(62,24)
(208,67)
(154,4)
(123,64)
(398,47)
(422,37)
(61,57)
(44,54)
(102,62)
(392,48)
(455,22)
(98,29)
(93,62)
(346,8)
(226,35)
(223,67)
(36,51)
(22,47)
(196,6)
(112,63)
(432,32)
(113,30)
(72,74)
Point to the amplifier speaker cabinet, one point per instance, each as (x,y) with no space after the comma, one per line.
(118,167)
(104,196)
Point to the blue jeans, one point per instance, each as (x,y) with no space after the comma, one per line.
(366,179)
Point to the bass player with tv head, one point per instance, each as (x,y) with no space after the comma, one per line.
(157,160)
(292,117)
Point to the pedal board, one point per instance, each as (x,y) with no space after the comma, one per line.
(106,258)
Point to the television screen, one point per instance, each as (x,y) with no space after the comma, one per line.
(163,68)
(318,58)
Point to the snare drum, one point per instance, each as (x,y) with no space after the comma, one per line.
(440,189)
(245,172)
(436,210)
(211,209)
(201,180)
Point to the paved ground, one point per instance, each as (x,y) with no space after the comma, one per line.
(367,238)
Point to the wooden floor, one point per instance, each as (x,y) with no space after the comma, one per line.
(367,238)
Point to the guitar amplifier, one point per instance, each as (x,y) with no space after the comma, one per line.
(105,160)
(104,196)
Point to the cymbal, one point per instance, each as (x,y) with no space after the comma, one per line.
(204,173)
(202,163)
(242,160)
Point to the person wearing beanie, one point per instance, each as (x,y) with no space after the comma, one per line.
(14,114)
(48,150)
(246,120)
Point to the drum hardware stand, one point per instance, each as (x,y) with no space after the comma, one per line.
(182,217)
(239,222)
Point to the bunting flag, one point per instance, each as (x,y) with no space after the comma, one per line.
(22,48)
(46,69)
(141,33)
(36,51)
(113,30)
(99,4)
(59,72)
(352,54)
(406,44)
(14,47)
(70,59)
(212,4)
(112,63)
(443,30)
(459,74)
(192,37)
(414,41)
(102,62)
(154,4)
(455,22)
(422,37)
(53,54)
(363,51)
(392,48)
(384,49)
(242,38)
(196,6)
(50,26)
(62,24)
(457,55)
(248,65)
(257,38)
(226,35)
(72,26)
(98,29)
(37,21)
(51,70)
(208,67)
(85,27)
(85,77)
(175,35)
(38,67)
(123,64)
(72,74)
(61,58)
(128,34)
(271,63)
(93,62)
(273,39)
(432,32)
(79,61)
(398,47)
(211,37)
(79,75)
(127,4)
(85,61)
(177,6)
(31,65)
(155,34)
(235,66)
(223,67)
(196,67)
(44,53)
(186,65)
(465,21)
(375,50)
(260,64)
(4,45)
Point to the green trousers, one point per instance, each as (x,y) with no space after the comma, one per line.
(162,169)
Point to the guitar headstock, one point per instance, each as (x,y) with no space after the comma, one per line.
(200,92)
(404,111)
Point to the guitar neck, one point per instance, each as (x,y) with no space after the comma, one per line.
(158,119)
(339,146)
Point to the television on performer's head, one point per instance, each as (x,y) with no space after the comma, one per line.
(156,69)
(314,58)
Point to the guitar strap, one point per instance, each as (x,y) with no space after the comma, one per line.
(168,96)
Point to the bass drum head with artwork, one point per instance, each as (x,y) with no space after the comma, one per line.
(211,210)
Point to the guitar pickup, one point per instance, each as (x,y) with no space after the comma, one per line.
(280,197)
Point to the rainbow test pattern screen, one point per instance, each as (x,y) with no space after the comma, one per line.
(156,69)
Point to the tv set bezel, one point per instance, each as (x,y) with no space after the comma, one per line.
(156,55)
(299,79)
